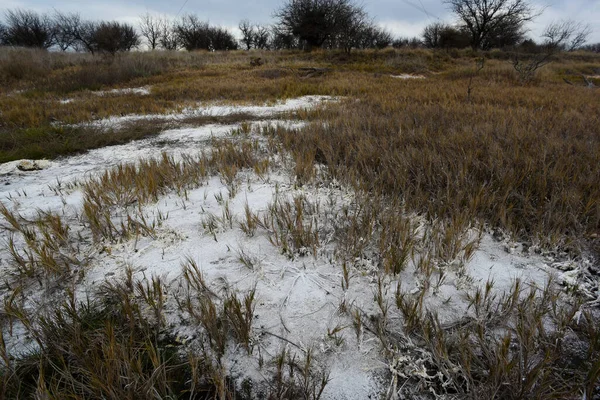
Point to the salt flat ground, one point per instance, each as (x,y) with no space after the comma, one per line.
(306,298)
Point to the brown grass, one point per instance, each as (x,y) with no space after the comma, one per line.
(522,158)
(517,345)
(433,167)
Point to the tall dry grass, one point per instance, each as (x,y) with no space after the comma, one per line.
(434,161)
(525,159)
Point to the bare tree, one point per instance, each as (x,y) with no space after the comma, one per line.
(557,36)
(432,35)
(2,33)
(28,29)
(452,37)
(493,23)
(373,37)
(595,47)
(221,39)
(313,21)
(248,33)
(579,34)
(442,36)
(168,36)
(151,29)
(282,39)
(93,37)
(410,42)
(75,32)
(113,37)
(63,37)
(354,27)
(568,35)
(262,36)
(85,38)
(194,34)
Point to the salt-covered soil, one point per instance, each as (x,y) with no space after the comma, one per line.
(300,296)
(142,91)
(407,76)
(217,110)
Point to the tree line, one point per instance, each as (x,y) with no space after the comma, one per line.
(25,28)
(299,24)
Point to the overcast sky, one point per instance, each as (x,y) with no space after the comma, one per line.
(401,17)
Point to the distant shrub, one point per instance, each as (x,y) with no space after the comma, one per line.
(443,36)
(26,28)
(413,43)
(112,37)
(93,76)
(194,34)
(18,64)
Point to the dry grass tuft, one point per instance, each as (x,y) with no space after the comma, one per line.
(525,343)
(434,163)
(521,158)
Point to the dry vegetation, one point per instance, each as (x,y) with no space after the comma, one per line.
(520,158)
(435,163)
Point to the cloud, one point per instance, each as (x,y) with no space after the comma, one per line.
(403,28)
(584,11)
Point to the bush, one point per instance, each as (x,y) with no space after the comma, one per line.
(18,64)
(441,36)
(590,47)
(104,37)
(194,34)
(94,76)
(113,37)
(104,350)
(317,23)
(2,33)
(413,43)
(27,29)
